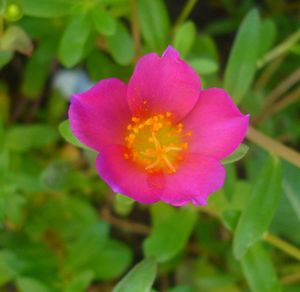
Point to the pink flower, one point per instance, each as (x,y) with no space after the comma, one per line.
(160,137)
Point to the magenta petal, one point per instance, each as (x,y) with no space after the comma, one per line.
(217,125)
(100,115)
(163,84)
(125,177)
(196,178)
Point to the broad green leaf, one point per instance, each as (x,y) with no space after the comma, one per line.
(104,22)
(53,8)
(25,137)
(260,209)
(237,154)
(121,45)
(37,68)
(268,33)
(74,38)
(65,131)
(171,231)
(140,278)
(184,37)
(26,284)
(154,23)
(259,271)
(16,39)
(241,66)
(204,66)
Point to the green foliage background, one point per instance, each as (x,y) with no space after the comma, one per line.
(61,228)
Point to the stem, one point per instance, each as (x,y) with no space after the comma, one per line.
(282,245)
(290,279)
(185,12)
(273,146)
(135,28)
(283,103)
(279,50)
(268,73)
(285,85)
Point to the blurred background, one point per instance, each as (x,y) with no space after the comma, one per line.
(62,228)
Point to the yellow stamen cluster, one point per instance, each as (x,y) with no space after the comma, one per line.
(155,143)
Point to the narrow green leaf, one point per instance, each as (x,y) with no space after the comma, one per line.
(53,8)
(155,23)
(184,37)
(241,66)
(268,33)
(73,40)
(237,154)
(37,68)
(66,133)
(230,218)
(204,66)
(260,209)
(121,45)
(24,137)
(123,205)
(140,278)
(170,233)
(259,271)
(104,22)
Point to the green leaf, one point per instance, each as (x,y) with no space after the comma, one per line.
(140,278)
(241,66)
(74,38)
(287,218)
(259,271)
(155,23)
(171,231)
(16,39)
(121,45)
(237,154)
(5,57)
(123,205)
(184,37)
(204,66)
(25,137)
(80,282)
(104,22)
(26,284)
(268,33)
(93,251)
(260,209)
(53,8)
(37,69)
(9,264)
(65,131)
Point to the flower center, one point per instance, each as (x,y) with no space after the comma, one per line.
(155,143)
